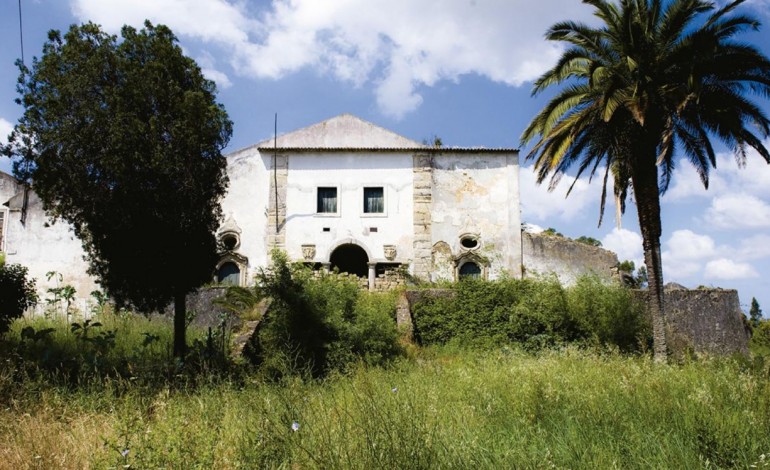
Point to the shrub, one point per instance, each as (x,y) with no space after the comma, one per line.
(533,313)
(608,314)
(318,325)
(17,293)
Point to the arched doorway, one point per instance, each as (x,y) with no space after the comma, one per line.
(229,273)
(351,259)
(470,270)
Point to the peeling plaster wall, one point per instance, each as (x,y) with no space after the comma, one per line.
(349,173)
(246,201)
(476,194)
(43,247)
(565,258)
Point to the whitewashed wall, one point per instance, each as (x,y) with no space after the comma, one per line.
(43,247)
(349,173)
(247,202)
(478,194)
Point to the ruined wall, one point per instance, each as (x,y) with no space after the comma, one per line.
(704,321)
(568,259)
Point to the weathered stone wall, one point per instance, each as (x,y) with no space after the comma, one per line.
(423,202)
(207,314)
(704,321)
(700,321)
(567,259)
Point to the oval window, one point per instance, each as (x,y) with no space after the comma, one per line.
(230,241)
(469,242)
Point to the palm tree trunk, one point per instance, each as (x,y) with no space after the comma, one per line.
(645,182)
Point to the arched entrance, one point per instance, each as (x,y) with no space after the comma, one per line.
(229,273)
(350,258)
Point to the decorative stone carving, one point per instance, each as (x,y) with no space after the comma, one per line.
(390,252)
(308,252)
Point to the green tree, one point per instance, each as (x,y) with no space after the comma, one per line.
(122,139)
(653,77)
(588,241)
(755,313)
(17,293)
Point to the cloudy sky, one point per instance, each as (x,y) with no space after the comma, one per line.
(461,70)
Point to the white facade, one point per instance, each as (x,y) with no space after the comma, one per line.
(438,212)
(432,199)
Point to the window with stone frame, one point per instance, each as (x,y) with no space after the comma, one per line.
(374,200)
(326,200)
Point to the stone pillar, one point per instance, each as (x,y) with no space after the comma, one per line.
(422,194)
(372,275)
(276,232)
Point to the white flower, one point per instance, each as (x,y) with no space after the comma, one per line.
(295,426)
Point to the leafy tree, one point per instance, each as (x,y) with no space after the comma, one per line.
(654,76)
(122,139)
(17,293)
(588,241)
(755,313)
(551,232)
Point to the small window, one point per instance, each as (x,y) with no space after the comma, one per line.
(230,241)
(327,200)
(374,200)
(229,273)
(469,242)
(470,270)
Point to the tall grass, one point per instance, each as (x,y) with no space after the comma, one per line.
(442,408)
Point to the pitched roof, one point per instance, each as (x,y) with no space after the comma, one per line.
(343,131)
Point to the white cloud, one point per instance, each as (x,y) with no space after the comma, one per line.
(724,268)
(685,253)
(740,210)
(728,177)
(396,45)
(626,244)
(539,204)
(754,247)
(5,129)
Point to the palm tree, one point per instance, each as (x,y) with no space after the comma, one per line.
(657,76)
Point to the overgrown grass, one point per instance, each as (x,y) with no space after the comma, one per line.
(73,351)
(442,408)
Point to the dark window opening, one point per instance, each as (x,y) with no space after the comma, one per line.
(229,273)
(326,229)
(470,270)
(469,242)
(374,200)
(350,259)
(372,229)
(327,200)
(230,241)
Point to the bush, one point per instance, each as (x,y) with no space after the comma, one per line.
(319,325)
(609,314)
(17,293)
(533,313)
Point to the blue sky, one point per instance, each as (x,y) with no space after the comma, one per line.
(461,70)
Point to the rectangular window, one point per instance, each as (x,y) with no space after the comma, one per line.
(374,200)
(327,200)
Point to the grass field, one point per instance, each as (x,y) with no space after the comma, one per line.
(434,408)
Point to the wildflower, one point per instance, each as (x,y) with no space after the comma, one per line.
(295,426)
(394,389)
(124,452)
